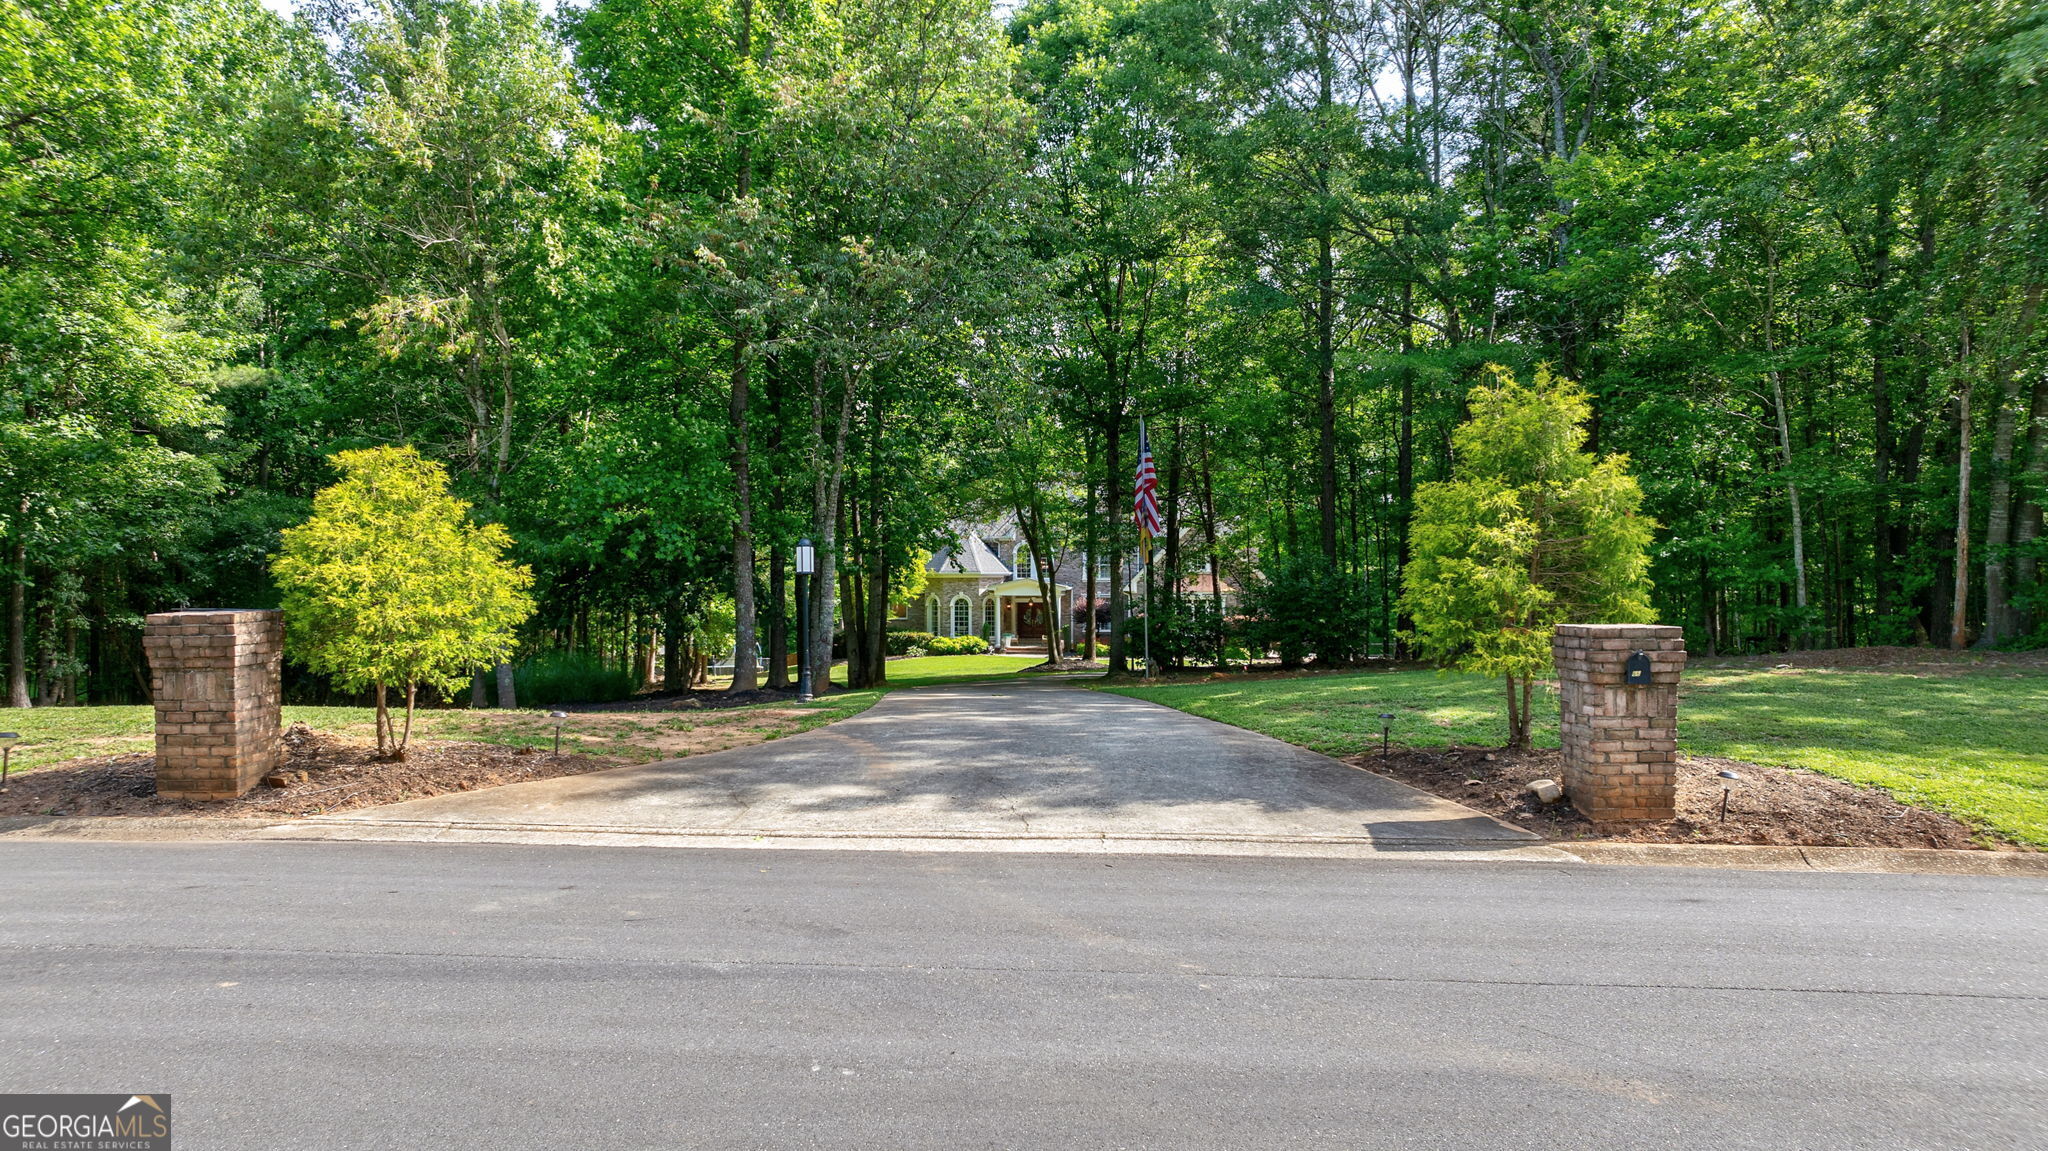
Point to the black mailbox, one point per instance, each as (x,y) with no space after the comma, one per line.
(1637,673)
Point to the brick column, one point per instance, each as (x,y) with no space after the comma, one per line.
(1620,741)
(214,676)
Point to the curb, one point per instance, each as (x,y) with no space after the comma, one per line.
(1608,853)
(1080,842)
(1859,860)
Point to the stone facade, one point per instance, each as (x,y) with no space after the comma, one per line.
(1620,742)
(215,678)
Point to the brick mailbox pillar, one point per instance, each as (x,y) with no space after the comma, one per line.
(214,675)
(1620,738)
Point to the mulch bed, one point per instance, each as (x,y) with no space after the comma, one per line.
(1770,805)
(325,775)
(709,700)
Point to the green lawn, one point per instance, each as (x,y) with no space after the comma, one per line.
(53,735)
(933,669)
(1971,743)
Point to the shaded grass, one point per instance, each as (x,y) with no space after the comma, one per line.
(1971,743)
(55,734)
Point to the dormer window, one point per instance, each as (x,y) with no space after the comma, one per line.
(1023,569)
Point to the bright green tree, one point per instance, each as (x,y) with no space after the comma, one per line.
(390,583)
(1530,531)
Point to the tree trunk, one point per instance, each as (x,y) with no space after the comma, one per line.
(1173,464)
(1116,493)
(744,671)
(1958,628)
(2033,493)
(673,648)
(17,616)
(1885,544)
(825,489)
(778,618)
(1404,506)
(1792,500)
(875,635)
(508,691)
(47,678)
(383,724)
(1215,553)
(1785,448)
(744,668)
(1091,559)
(2001,620)
(1517,735)
(405,739)
(1326,305)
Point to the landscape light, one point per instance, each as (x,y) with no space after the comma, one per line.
(558,717)
(1728,781)
(1386,731)
(7,741)
(806,558)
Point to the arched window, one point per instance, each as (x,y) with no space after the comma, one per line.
(963,617)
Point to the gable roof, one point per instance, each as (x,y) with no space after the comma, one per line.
(972,557)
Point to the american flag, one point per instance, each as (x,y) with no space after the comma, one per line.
(1146,502)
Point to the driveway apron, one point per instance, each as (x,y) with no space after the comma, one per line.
(1007,761)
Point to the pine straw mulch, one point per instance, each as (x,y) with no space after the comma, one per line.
(325,774)
(1771,805)
(705,699)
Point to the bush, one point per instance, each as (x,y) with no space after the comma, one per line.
(901,642)
(1183,632)
(957,645)
(570,677)
(1307,607)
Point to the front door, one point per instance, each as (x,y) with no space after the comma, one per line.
(1030,619)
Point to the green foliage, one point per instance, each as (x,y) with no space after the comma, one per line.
(1305,607)
(1530,532)
(956,645)
(571,677)
(1184,630)
(949,264)
(390,584)
(901,642)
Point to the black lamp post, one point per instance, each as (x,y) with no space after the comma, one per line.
(559,717)
(806,566)
(7,741)
(1386,731)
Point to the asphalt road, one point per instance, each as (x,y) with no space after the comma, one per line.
(314,995)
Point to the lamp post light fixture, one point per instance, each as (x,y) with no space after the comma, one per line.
(1386,731)
(806,567)
(1728,781)
(558,717)
(7,741)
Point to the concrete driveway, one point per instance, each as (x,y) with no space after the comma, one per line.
(1011,764)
